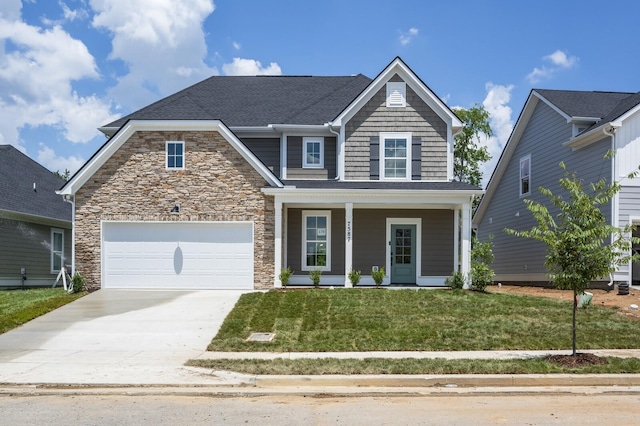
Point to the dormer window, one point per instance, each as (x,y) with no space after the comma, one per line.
(579,128)
(313,153)
(396,94)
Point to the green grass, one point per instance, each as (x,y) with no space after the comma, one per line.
(20,306)
(379,320)
(412,366)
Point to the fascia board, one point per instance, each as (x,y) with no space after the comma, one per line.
(372,196)
(553,106)
(507,153)
(133,126)
(618,121)
(32,218)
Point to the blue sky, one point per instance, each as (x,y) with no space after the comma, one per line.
(69,66)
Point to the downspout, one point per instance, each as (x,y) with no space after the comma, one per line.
(337,149)
(614,201)
(71,199)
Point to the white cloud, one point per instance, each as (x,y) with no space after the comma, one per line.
(48,158)
(36,83)
(407,36)
(496,103)
(161,42)
(561,59)
(558,59)
(10,9)
(236,45)
(241,66)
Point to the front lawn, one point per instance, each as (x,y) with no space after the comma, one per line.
(20,306)
(344,320)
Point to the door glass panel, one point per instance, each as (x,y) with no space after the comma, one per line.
(403,247)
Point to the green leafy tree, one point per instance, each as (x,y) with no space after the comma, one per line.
(468,153)
(581,244)
(65,175)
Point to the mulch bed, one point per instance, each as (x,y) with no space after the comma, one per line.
(577,360)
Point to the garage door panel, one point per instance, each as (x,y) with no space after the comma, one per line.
(178,255)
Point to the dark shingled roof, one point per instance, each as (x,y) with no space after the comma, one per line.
(257,101)
(376,184)
(584,104)
(18,173)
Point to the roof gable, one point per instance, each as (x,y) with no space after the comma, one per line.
(397,66)
(125,132)
(580,104)
(28,188)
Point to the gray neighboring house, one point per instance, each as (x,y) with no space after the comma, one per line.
(578,128)
(227,182)
(35,223)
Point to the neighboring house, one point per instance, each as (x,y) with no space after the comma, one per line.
(575,127)
(223,184)
(35,223)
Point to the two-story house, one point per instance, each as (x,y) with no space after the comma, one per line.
(223,184)
(578,128)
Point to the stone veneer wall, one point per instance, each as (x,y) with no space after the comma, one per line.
(217,184)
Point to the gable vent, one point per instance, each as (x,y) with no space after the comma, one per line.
(396,94)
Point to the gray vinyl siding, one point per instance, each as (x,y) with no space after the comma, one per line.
(542,138)
(370,245)
(416,117)
(267,150)
(294,241)
(628,207)
(294,160)
(25,244)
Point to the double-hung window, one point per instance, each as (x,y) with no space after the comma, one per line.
(312,153)
(316,229)
(395,155)
(525,175)
(175,155)
(57,249)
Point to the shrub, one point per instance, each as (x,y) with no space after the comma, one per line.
(77,283)
(285,276)
(354,277)
(378,276)
(455,281)
(315,276)
(481,258)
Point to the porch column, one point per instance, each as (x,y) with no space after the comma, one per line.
(456,239)
(277,252)
(465,266)
(348,242)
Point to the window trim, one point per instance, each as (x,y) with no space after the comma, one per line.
(166,155)
(53,252)
(395,135)
(523,159)
(308,139)
(393,86)
(327,215)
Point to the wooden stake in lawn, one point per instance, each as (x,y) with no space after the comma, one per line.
(581,244)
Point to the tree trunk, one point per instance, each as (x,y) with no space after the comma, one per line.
(575,308)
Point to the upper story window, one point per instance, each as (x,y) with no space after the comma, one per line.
(313,152)
(316,240)
(396,94)
(57,249)
(395,155)
(578,128)
(175,154)
(525,175)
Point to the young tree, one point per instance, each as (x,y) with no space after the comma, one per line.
(64,175)
(580,247)
(468,153)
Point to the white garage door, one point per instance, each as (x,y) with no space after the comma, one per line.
(177,255)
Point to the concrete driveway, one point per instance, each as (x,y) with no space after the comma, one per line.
(117,337)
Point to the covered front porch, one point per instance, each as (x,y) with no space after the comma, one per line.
(419,236)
